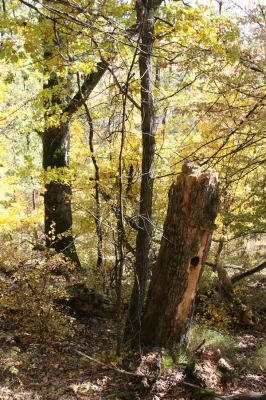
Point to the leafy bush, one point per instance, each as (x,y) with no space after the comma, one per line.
(30,288)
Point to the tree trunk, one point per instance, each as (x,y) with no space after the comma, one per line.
(98,214)
(145,17)
(192,209)
(224,281)
(56,145)
(57,196)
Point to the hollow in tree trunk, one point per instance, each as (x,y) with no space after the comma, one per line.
(192,209)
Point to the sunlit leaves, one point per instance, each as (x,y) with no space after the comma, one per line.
(206,80)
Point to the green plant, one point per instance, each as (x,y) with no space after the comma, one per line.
(258,361)
(212,340)
(167,361)
(29,294)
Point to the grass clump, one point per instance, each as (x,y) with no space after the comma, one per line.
(261,356)
(212,340)
(167,361)
(178,356)
(257,362)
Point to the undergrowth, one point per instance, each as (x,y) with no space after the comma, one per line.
(257,362)
(30,286)
(212,340)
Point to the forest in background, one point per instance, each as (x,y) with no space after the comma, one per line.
(109,110)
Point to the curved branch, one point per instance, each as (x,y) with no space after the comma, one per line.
(258,268)
(86,88)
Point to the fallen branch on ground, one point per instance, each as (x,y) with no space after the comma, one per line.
(199,346)
(110,366)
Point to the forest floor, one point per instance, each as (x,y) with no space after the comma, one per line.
(56,372)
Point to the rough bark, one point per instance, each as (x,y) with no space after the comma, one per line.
(56,145)
(145,18)
(193,206)
(57,196)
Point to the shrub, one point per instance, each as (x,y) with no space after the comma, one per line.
(29,288)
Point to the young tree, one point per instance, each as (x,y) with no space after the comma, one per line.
(146,11)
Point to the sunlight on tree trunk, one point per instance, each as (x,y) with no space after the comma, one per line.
(192,209)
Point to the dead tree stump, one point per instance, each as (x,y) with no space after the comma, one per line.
(192,209)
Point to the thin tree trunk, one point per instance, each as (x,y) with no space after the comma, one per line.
(98,214)
(193,206)
(4,6)
(121,237)
(223,277)
(145,17)
(120,215)
(220,5)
